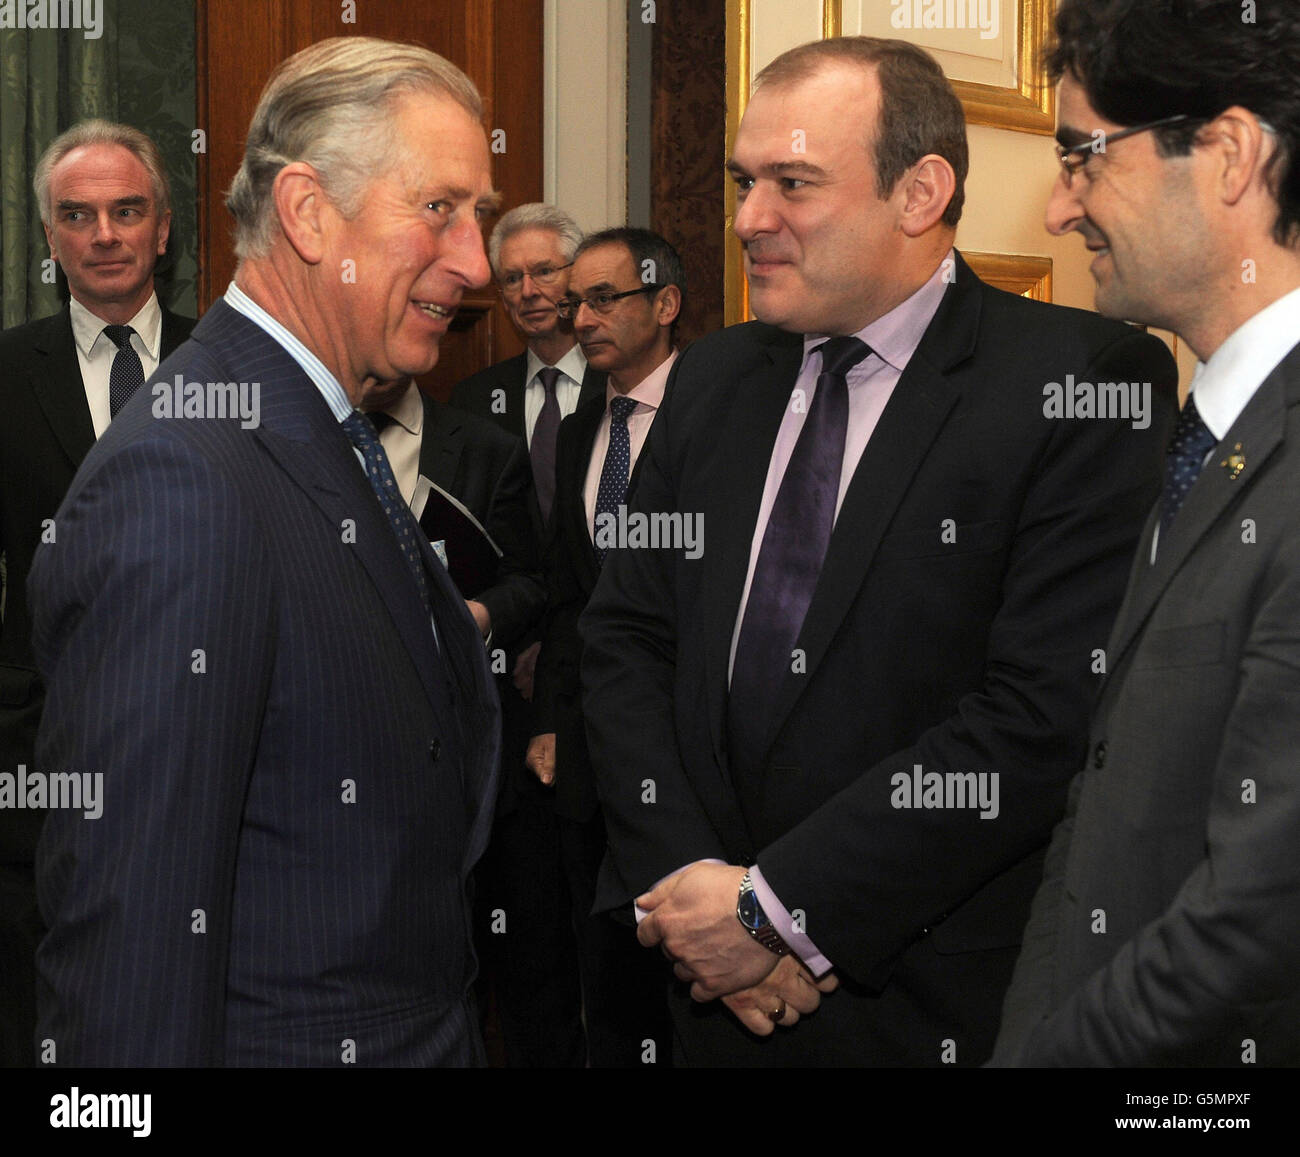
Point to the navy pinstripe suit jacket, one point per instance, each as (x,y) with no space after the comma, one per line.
(297,780)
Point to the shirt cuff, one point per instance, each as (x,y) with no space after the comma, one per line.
(783,922)
(641,913)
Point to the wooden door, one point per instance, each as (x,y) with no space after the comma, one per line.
(497,42)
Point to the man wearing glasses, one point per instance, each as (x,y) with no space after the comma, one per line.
(533,963)
(1166,930)
(625,294)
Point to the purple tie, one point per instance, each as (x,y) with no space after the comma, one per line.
(611,492)
(542,448)
(790,559)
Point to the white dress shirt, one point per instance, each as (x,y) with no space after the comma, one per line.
(95,353)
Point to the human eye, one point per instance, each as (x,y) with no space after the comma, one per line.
(792,184)
(743,183)
(602,300)
(442,208)
(511,280)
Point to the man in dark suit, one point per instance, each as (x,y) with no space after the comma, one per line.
(531,252)
(834,745)
(103,196)
(522,916)
(1165,930)
(244,633)
(624,298)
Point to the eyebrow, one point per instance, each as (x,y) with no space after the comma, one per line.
(492,201)
(121,201)
(777,169)
(1069,137)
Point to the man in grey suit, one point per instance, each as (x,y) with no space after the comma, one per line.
(1166,930)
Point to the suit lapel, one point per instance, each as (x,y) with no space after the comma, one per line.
(586,420)
(593,385)
(745,449)
(1259,431)
(60,392)
(441,444)
(298,430)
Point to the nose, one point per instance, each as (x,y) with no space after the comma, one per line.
(581,323)
(755,214)
(467,258)
(105,233)
(1063,209)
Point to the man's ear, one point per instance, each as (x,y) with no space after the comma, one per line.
(164,231)
(1242,148)
(927,188)
(49,240)
(301,207)
(668,305)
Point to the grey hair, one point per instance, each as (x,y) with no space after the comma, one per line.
(331,106)
(534,215)
(102,132)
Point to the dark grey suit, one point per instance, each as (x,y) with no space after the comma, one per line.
(1182,830)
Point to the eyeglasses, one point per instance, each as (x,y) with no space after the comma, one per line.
(1074,158)
(542,275)
(567,307)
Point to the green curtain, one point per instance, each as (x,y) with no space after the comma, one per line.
(139,72)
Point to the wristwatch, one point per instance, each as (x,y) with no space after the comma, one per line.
(754,920)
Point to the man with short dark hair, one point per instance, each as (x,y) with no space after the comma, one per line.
(625,294)
(1165,929)
(103,197)
(835,743)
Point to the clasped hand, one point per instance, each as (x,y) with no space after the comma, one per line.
(692,918)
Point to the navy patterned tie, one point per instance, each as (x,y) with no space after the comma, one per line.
(380,475)
(790,559)
(127,372)
(1192,441)
(541,450)
(612,492)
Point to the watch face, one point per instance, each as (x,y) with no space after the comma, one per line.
(750,912)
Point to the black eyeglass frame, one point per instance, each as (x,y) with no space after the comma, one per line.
(1099,144)
(567,307)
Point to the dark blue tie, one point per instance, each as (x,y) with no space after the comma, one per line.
(612,492)
(127,372)
(790,559)
(1192,441)
(380,475)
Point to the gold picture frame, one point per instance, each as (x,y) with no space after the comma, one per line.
(1017,273)
(1030,107)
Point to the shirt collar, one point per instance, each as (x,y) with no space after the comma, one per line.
(147,323)
(1225,383)
(573,365)
(895,336)
(649,391)
(408,410)
(335,396)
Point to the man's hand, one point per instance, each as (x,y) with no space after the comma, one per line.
(692,916)
(540,759)
(525,665)
(482,619)
(789,989)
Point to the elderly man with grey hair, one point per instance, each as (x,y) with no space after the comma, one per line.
(531,250)
(265,673)
(102,192)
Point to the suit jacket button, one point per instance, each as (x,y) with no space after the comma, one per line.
(435,749)
(1099,754)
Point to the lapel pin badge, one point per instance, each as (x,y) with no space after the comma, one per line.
(1234,463)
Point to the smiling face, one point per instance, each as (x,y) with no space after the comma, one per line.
(1138,212)
(104,230)
(530,306)
(416,246)
(822,250)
